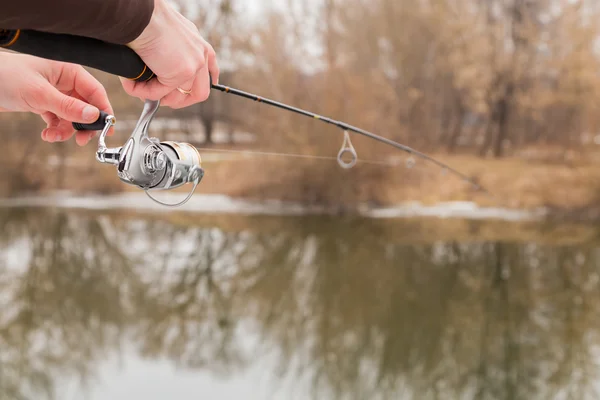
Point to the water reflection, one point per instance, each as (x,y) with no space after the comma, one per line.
(340,305)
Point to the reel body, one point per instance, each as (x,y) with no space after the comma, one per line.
(148,163)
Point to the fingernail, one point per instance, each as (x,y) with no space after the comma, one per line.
(90,113)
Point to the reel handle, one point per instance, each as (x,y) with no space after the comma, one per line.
(98,125)
(115,59)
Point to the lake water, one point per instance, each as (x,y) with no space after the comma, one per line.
(117,305)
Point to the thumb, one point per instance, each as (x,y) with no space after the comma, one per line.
(69,108)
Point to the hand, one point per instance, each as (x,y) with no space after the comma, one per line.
(173,49)
(61,93)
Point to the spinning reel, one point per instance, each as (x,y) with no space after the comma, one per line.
(146,162)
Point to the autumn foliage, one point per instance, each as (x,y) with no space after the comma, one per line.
(485,78)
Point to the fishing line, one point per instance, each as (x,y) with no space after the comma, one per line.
(347,146)
(294,155)
(409,162)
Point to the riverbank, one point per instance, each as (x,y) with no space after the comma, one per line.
(559,184)
(557,180)
(411,224)
(220,204)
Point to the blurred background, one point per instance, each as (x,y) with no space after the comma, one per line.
(505,91)
(111,299)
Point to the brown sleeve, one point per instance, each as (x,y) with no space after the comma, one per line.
(115,21)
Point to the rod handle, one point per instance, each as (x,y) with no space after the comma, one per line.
(115,59)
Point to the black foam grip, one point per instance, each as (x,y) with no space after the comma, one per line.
(115,59)
(94,126)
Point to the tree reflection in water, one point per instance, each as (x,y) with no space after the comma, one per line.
(340,301)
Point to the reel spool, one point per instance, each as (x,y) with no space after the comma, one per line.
(146,162)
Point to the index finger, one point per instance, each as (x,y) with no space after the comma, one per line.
(213,67)
(86,86)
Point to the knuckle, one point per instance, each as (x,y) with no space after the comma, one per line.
(191,25)
(211,51)
(100,91)
(67,104)
(203,95)
(201,58)
(188,70)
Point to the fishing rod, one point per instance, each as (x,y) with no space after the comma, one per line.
(347,145)
(147,162)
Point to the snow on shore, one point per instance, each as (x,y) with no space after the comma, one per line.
(220,204)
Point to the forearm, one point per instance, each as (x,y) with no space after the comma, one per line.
(115,21)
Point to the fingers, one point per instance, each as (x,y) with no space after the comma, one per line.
(51,122)
(199,91)
(192,72)
(62,109)
(63,106)
(83,137)
(152,90)
(159,87)
(199,88)
(85,87)
(89,89)
(59,130)
(63,131)
(213,66)
(81,103)
(176,99)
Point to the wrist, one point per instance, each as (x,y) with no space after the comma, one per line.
(151,31)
